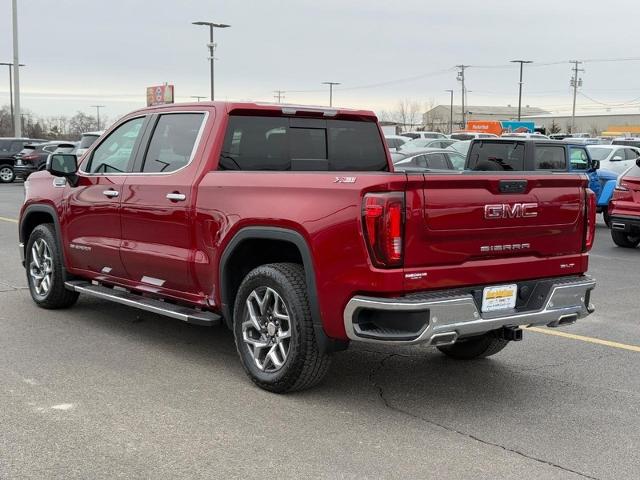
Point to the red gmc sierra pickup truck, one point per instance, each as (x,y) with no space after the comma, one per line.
(288,224)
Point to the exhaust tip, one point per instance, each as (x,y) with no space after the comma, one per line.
(440,339)
(617,226)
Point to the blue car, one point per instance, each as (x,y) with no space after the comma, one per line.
(603,182)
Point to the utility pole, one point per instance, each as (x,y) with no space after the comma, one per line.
(575,83)
(279,95)
(13,120)
(198,97)
(17,119)
(98,107)
(331,84)
(450,113)
(212,46)
(521,62)
(461,79)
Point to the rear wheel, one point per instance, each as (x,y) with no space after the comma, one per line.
(625,240)
(45,270)
(6,174)
(274,332)
(475,347)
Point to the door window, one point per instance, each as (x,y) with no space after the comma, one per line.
(630,154)
(579,158)
(115,153)
(457,160)
(549,157)
(437,161)
(172,143)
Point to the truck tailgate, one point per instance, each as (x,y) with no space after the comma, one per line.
(478,219)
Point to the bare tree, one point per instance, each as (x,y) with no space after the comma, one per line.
(407,114)
(81,122)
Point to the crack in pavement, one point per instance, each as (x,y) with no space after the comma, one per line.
(388,405)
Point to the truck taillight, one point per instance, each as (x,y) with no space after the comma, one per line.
(383,223)
(28,158)
(590,220)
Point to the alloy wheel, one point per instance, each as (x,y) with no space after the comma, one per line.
(41,267)
(266,330)
(6,174)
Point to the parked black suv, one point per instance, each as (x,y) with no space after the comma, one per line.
(9,147)
(33,158)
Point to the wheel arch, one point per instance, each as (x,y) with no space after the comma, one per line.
(297,250)
(35,215)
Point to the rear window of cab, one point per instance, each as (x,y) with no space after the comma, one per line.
(257,143)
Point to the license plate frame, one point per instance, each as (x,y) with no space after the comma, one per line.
(499,297)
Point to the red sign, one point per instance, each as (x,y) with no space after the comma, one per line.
(159,95)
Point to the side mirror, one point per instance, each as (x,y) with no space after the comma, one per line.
(617,158)
(595,164)
(63,165)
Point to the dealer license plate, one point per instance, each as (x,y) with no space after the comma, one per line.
(502,297)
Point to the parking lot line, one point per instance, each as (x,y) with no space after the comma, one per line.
(582,338)
(11,220)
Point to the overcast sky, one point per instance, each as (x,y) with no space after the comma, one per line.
(79,53)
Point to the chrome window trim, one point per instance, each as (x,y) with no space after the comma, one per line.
(191,157)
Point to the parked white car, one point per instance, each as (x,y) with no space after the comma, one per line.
(430,135)
(524,135)
(616,158)
(86,141)
(394,142)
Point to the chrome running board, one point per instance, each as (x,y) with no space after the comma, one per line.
(124,297)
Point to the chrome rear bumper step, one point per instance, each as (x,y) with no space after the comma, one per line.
(179,312)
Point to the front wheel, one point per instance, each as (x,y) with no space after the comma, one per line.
(625,240)
(45,270)
(475,347)
(6,174)
(274,331)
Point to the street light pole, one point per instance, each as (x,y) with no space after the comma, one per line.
(521,62)
(11,94)
(17,123)
(331,84)
(461,78)
(450,113)
(212,47)
(98,107)
(575,83)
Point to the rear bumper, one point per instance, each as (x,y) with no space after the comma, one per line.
(438,318)
(625,224)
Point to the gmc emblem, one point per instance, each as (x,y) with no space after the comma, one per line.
(514,210)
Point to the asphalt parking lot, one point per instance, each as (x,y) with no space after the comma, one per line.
(105,391)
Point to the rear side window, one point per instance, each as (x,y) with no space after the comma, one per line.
(411,135)
(172,143)
(437,161)
(550,157)
(301,144)
(462,136)
(496,156)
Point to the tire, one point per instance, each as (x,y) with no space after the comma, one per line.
(625,240)
(606,217)
(45,270)
(475,347)
(7,175)
(277,295)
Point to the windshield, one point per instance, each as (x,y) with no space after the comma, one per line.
(461,147)
(417,143)
(87,141)
(599,153)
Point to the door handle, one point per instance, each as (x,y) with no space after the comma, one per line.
(176,197)
(111,193)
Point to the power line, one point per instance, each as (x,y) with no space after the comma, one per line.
(279,95)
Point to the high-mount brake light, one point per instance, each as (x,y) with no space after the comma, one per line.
(383,223)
